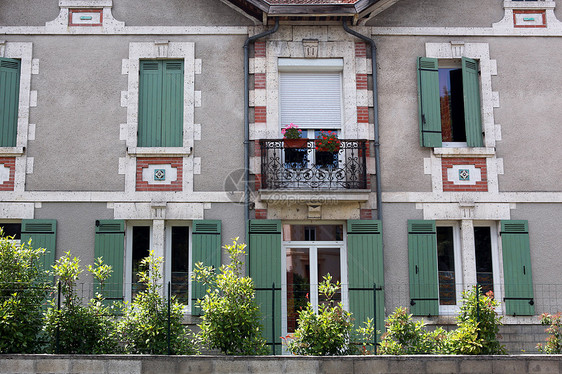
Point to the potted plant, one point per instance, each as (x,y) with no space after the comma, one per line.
(328,141)
(292,137)
(327,147)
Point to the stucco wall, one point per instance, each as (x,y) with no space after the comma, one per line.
(17,13)
(401,155)
(529,83)
(78,113)
(421,13)
(177,13)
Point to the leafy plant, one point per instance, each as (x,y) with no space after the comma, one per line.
(478,325)
(75,327)
(23,289)
(404,336)
(291,132)
(553,343)
(326,333)
(231,319)
(144,326)
(327,141)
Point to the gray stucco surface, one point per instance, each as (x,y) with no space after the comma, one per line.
(79,91)
(178,13)
(222,112)
(528,83)
(401,155)
(17,13)
(420,13)
(395,241)
(75,226)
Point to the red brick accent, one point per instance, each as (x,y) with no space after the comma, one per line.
(144,162)
(261,213)
(361,81)
(257,148)
(257,181)
(366,213)
(479,163)
(518,11)
(9,162)
(259,80)
(259,49)
(260,114)
(360,49)
(362,114)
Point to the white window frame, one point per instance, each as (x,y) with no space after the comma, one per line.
(168,258)
(459,276)
(342,244)
(129,254)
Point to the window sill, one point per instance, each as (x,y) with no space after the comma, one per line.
(159,151)
(508,4)
(12,151)
(464,152)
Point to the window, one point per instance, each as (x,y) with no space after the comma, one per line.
(286,261)
(9,100)
(439,270)
(449,103)
(161,88)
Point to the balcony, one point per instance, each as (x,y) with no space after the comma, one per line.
(305,168)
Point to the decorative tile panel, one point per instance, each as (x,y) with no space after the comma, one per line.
(85,17)
(159,174)
(529,18)
(464,174)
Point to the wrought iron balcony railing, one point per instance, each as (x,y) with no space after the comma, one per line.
(305,167)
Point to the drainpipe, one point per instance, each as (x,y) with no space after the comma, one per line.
(375,112)
(251,39)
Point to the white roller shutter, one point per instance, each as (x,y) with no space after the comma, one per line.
(311,100)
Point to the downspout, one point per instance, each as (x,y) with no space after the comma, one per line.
(375,112)
(251,39)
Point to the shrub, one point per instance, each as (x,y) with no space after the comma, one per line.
(478,325)
(326,333)
(23,289)
(75,327)
(144,326)
(404,336)
(553,343)
(231,319)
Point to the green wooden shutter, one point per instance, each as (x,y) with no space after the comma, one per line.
(471,96)
(265,270)
(428,101)
(365,269)
(9,101)
(172,104)
(206,248)
(422,259)
(43,234)
(150,104)
(518,278)
(109,244)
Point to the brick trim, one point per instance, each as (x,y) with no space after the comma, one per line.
(479,163)
(10,163)
(144,162)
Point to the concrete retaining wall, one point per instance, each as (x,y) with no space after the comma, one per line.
(133,364)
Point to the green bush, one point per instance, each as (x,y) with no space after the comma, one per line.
(144,326)
(553,343)
(23,291)
(404,336)
(478,325)
(231,316)
(79,328)
(328,332)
